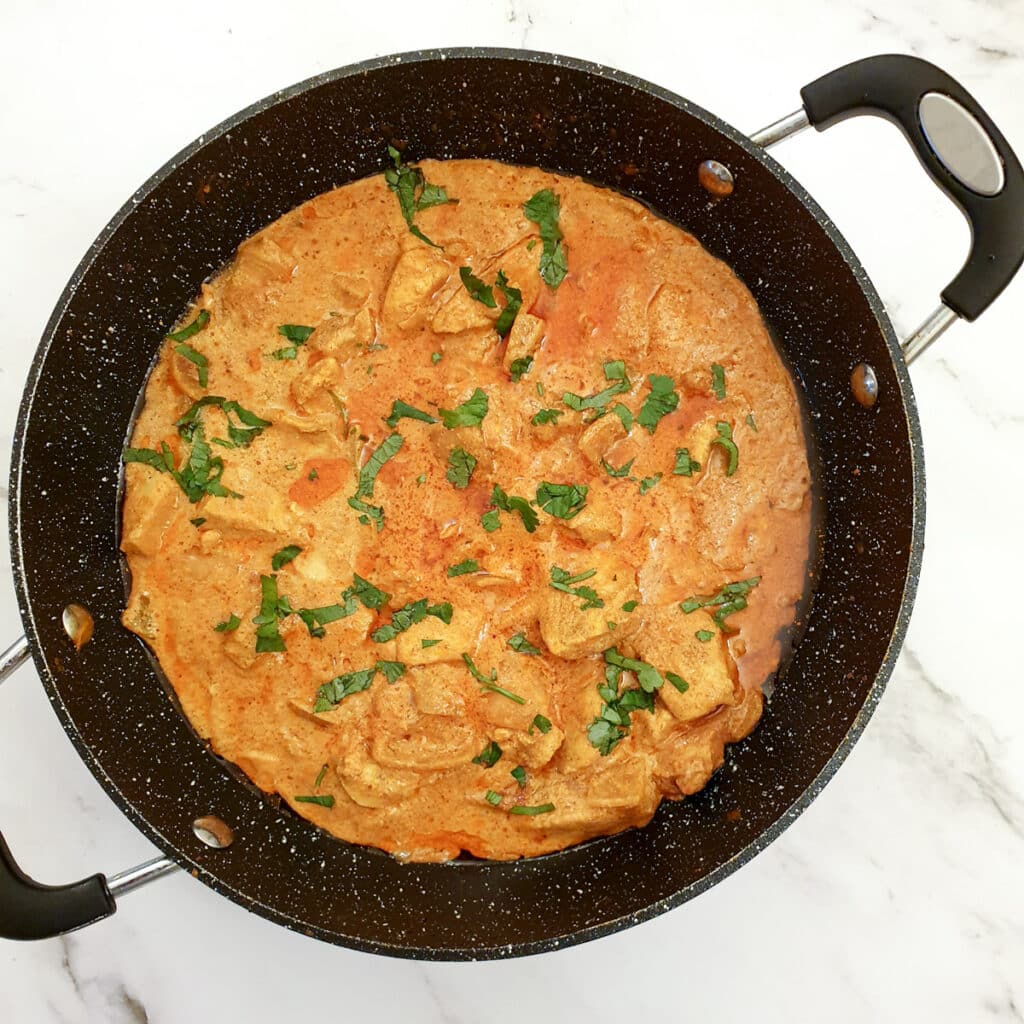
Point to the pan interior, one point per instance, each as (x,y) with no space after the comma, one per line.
(187,222)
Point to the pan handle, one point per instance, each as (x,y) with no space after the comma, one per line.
(960,147)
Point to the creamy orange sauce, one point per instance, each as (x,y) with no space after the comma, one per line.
(399,754)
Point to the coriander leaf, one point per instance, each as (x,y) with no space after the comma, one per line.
(295,333)
(337,689)
(387,449)
(370,513)
(201,362)
(198,521)
(750,422)
(316,618)
(625,416)
(521,645)
(685,466)
(647,675)
(201,320)
(718,381)
(463,568)
(660,401)
(729,599)
(460,468)
(677,681)
(490,521)
(543,209)
(489,756)
(531,811)
(513,303)
(413,192)
(621,471)
(320,777)
(421,479)
(284,556)
(323,801)
(313,475)
(704,635)
(441,611)
(604,735)
(429,643)
(519,774)
(519,367)
(272,608)
(288,352)
(402,410)
(391,670)
(629,606)
(725,442)
(230,625)
(469,414)
(489,682)
(366,593)
(435,357)
(563,581)
(614,371)
(511,503)
(401,620)
(545,416)
(563,501)
(648,482)
(492,798)
(477,289)
(542,723)
(148,457)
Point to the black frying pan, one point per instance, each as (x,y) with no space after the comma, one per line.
(575,118)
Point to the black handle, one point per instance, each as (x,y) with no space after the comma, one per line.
(29,910)
(892,86)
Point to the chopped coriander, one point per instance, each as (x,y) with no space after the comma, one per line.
(370,513)
(489,756)
(428,643)
(289,352)
(409,615)
(290,466)
(201,320)
(272,608)
(538,809)
(509,503)
(611,625)
(704,635)
(387,449)
(563,581)
(519,774)
(518,368)
(492,798)
(542,723)
(629,606)
(323,801)
(463,568)
(613,723)
(421,479)
(513,303)
(543,209)
(648,482)
(530,244)
(460,468)
(241,436)
(725,442)
(729,599)
(296,333)
(750,422)
(477,289)
(563,501)
(718,381)
(198,521)
(469,414)
(677,681)
(228,626)
(402,410)
(435,357)
(546,416)
(660,401)
(621,471)
(366,593)
(414,193)
(521,645)
(335,690)
(490,682)
(284,556)
(316,618)
(200,361)
(613,371)
(320,777)
(313,475)
(685,466)
(540,389)
(624,415)
(391,670)
(647,675)
(161,462)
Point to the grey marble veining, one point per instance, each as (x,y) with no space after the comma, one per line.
(900,894)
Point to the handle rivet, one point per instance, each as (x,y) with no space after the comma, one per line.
(213,831)
(864,384)
(715,177)
(78,625)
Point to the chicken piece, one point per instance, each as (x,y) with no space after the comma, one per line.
(600,520)
(369,784)
(155,499)
(670,644)
(344,334)
(461,634)
(572,631)
(437,690)
(598,437)
(531,750)
(461,313)
(311,389)
(524,339)
(417,276)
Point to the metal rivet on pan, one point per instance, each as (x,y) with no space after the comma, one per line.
(77,624)
(715,177)
(213,831)
(864,383)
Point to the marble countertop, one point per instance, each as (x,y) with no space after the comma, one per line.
(900,894)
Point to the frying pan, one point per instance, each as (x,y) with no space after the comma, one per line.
(575,118)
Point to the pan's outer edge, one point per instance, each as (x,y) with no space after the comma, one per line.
(770,834)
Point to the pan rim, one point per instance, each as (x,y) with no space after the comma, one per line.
(784,820)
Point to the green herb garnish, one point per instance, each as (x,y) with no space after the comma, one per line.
(490,682)
(402,410)
(202,364)
(677,681)
(629,606)
(647,675)
(542,723)
(660,401)
(518,367)
(272,609)
(492,798)
(429,643)
(477,289)
(521,645)
(228,626)
(414,192)
(648,482)
(408,615)
(391,670)
(621,471)
(312,475)
(489,756)
(198,521)
(538,809)
(323,801)
(460,468)
(463,568)
(625,416)
(563,501)
(613,371)
(387,449)
(519,774)
(543,210)
(704,635)
(241,436)
(729,599)
(718,381)
(725,441)
(337,689)
(297,335)
(435,357)
(685,466)
(509,503)
(469,414)
(546,416)
(201,320)
(320,777)
(284,556)
(513,303)
(565,582)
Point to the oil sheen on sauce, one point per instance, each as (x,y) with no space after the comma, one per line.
(408,761)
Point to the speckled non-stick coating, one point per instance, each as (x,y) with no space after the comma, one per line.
(184,223)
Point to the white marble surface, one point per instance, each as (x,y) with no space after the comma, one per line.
(900,894)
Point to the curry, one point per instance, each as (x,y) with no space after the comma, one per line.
(469,511)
